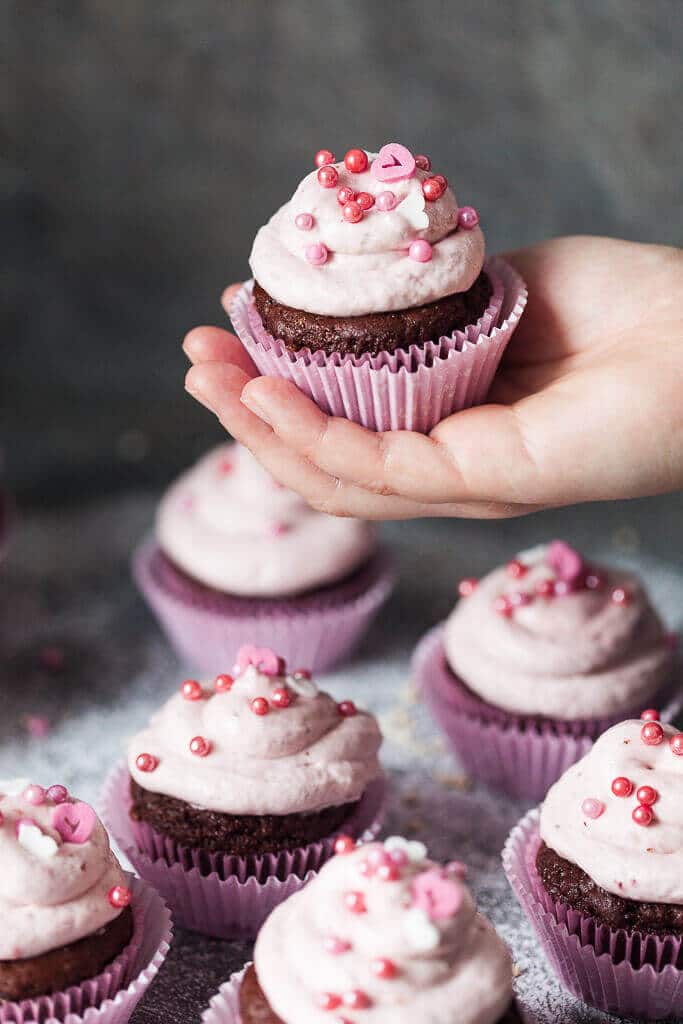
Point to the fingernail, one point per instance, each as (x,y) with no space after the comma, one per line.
(253,405)
(199,397)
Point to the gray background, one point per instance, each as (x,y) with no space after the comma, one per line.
(144,143)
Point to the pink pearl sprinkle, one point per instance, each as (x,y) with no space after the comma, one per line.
(316,254)
(34,795)
(385,201)
(304,221)
(57,794)
(521,598)
(279,529)
(592,808)
(420,250)
(335,946)
(468,218)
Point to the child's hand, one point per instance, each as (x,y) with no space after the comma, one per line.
(587,404)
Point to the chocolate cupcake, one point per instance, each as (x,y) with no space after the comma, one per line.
(372,293)
(233,795)
(600,871)
(537,660)
(235,555)
(383,932)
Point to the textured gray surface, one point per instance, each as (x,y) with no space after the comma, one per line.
(143,144)
(66,586)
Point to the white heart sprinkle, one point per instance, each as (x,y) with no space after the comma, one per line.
(13,787)
(413,209)
(419,931)
(533,555)
(36,842)
(414,850)
(304,687)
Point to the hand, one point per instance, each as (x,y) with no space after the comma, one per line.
(586,405)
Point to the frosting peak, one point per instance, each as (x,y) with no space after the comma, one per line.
(388,931)
(266,743)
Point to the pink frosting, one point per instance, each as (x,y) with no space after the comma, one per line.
(368,268)
(302,757)
(582,655)
(444,957)
(228,524)
(637,862)
(52,892)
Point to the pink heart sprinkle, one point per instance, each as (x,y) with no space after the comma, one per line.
(261,658)
(393,162)
(565,561)
(438,896)
(74,822)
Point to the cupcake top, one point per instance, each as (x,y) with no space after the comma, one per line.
(386,931)
(371,233)
(59,880)
(618,813)
(263,741)
(550,635)
(229,525)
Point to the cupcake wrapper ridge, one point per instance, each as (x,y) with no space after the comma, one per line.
(112,996)
(219,895)
(224,1007)
(509,752)
(628,973)
(315,636)
(410,389)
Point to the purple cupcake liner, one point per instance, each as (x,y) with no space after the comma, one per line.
(207,628)
(224,1007)
(112,996)
(632,974)
(225,896)
(410,389)
(520,755)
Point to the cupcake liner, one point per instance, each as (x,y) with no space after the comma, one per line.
(520,755)
(410,389)
(631,974)
(112,996)
(224,1007)
(207,628)
(225,896)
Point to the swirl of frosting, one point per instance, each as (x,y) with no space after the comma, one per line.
(267,753)
(641,862)
(229,525)
(385,930)
(54,886)
(368,269)
(547,637)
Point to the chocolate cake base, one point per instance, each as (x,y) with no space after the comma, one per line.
(58,969)
(568,883)
(241,835)
(254,1007)
(373,332)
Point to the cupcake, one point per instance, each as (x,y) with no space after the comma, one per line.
(235,555)
(232,796)
(537,660)
(382,935)
(372,293)
(600,871)
(73,922)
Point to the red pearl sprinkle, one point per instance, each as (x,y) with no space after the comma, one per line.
(345,195)
(352,213)
(260,706)
(119,896)
(346,708)
(468,218)
(57,794)
(423,162)
(676,744)
(356,161)
(365,200)
(467,586)
(502,605)
(355,902)
(328,1001)
(432,189)
(302,673)
(649,715)
(192,690)
(647,795)
(146,762)
(388,872)
(442,179)
(384,968)
(281,697)
(324,156)
(545,588)
(620,596)
(516,569)
(328,176)
(356,999)
(344,844)
(200,746)
(621,786)
(643,815)
(223,683)
(652,734)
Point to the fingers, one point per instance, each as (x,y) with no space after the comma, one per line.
(214,345)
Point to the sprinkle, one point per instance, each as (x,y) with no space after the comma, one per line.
(75,822)
(328,176)
(356,161)
(316,254)
(516,569)
(468,218)
(324,156)
(57,794)
(647,795)
(621,786)
(433,188)
(620,597)
(191,689)
(35,841)
(392,163)
(119,896)
(344,845)
(261,658)
(652,734)
(200,746)
(346,708)
(643,815)
(676,744)
(467,586)
(365,200)
(650,715)
(355,902)
(592,808)
(386,201)
(419,931)
(281,697)
(260,706)
(503,606)
(423,162)
(223,683)
(384,968)
(146,762)
(328,1000)
(304,221)
(335,946)
(356,999)
(420,250)
(34,795)
(438,895)
(279,529)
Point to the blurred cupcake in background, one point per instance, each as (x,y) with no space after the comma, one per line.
(232,795)
(537,660)
(236,555)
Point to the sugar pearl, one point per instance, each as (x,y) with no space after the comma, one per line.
(643,815)
(621,786)
(304,221)
(649,715)
(57,794)
(423,162)
(146,762)
(328,176)
(647,795)
(316,254)
(200,746)
(352,213)
(652,734)
(592,808)
(34,795)
(467,586)
(119,896)
(355,902)
(468,218)
(345,195)
(365,200)
(346,708)
(324,156)
(386,201)
(420,250)
(192,690)
(223,683)
(260,706)
(676,744)
(356,161)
